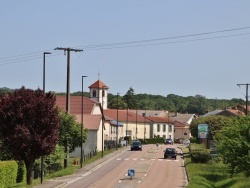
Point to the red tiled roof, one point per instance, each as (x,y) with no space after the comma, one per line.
(76,103)
(90,122)
(160,119)
(179,124)
(123,115)
(98,84)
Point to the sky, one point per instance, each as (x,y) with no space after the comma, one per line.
(162,47)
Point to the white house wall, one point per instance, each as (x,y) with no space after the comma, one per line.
(161,133)
(131,128)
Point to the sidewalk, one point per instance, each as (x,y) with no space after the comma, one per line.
(60,182)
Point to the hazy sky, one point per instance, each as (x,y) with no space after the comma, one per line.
(158,47)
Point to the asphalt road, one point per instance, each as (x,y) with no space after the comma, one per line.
(151,170)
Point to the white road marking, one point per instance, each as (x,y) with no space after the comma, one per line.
(118,159)
(126,159)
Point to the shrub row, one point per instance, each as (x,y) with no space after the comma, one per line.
(8,173)
(200,155)
(159,140)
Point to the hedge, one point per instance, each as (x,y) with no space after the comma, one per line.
(8,173)
(159,140)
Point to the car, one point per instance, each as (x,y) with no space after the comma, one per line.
(169,141)
(170,153)
(136,145)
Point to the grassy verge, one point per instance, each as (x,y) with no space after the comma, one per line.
(214,174)
(66,171)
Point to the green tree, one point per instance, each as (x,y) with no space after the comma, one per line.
(29,125)
(233,143)
(197,105)
(70,132)
(113,103)
(130,99)
(215,123)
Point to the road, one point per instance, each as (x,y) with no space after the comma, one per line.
(151,170)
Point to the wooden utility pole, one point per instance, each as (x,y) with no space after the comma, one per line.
(246,95)
(68,74)
(68,89)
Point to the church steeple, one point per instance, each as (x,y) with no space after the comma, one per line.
(99,93)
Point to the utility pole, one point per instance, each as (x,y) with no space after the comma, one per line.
(68,89)
(68,73)
(246,95)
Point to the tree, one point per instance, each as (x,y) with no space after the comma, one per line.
(113,103)
(70,132)
(215,123)
(233,143)
(29,125)
(130,99)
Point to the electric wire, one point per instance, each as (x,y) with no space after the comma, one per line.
(129,44)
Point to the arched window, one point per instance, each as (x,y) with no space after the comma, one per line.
(103,93)
(94,93)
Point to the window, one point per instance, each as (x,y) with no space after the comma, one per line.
(164,136)
(164,128)
(103,93)
(158,128)
(169,128)
(94,93)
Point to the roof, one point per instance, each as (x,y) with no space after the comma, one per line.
(183,117)
(98,84)
(179,124)
(76,104)
(123,115)
(231,112)
(90,122)
(155,113)
(160,119)
(114,122)
(212,113)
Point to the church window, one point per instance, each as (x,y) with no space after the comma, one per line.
(94,93)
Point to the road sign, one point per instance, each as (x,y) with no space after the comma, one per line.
(202,130)
(131,172)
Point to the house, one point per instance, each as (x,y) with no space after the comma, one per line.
(182,130)
(226,112)
(92,120)
(180,122)
(161,127)
(134,125)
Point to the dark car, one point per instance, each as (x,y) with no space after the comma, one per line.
(169,141)
(170,153)
(136,145)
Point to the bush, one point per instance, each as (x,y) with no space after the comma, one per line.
(8,173)
(152,140)
(200,155)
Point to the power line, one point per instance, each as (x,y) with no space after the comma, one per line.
(163,43)
(165,38)
(130,44)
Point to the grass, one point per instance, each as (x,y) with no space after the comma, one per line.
(212,175)
(71,169)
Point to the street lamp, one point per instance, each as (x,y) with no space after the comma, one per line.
(81,160)
(117,120)
(44,54)
(102,118)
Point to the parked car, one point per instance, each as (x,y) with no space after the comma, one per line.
(170,153)
(169,141)
(136,145)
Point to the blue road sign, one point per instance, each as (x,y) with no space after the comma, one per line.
(131,172)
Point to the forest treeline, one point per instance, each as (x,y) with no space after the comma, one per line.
(197,104)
